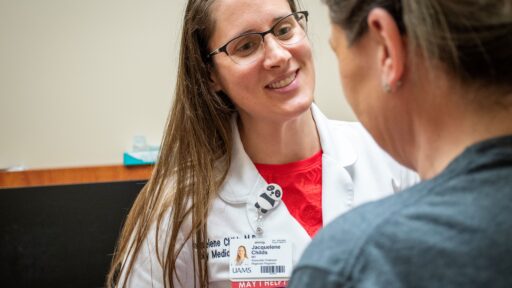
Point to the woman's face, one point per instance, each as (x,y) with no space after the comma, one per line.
(356,73)
(241,252)
(279,85)
(361,66)
(359,75)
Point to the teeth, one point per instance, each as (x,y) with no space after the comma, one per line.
(282,83)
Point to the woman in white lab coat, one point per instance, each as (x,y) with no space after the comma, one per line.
(244,102)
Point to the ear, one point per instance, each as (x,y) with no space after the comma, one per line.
(214,79)
(392,51)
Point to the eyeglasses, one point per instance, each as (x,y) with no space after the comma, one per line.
(247,48)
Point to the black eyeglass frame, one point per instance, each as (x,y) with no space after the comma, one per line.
(223,48)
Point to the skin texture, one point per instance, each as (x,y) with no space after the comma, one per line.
(280,116)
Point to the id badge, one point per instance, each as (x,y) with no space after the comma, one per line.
(260,262)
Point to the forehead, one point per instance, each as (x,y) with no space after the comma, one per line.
(233,17)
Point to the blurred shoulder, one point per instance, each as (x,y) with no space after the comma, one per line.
(341,248)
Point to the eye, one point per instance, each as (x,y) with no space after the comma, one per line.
(284,31)
(244,46)
(247,46)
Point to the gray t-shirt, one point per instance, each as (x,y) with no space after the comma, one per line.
(454,230)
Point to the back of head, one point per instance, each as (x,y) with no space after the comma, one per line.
(471,39)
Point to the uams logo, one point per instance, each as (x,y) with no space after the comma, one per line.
(237,270)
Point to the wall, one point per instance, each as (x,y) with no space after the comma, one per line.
(79,79)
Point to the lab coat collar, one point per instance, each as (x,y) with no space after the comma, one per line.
(333,146)
(243,179)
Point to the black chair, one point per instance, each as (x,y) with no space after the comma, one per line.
(61,236)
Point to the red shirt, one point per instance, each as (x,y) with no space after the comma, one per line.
(301,182)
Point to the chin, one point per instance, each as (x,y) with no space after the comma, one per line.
(297,108)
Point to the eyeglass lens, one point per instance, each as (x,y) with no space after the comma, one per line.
(247,48)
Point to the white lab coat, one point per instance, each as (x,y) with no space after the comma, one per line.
(354,170)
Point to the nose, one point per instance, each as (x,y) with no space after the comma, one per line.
(275,55)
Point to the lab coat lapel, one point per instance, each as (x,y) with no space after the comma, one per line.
(338,157)
(243,181)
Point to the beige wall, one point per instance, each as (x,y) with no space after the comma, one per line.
(79,79)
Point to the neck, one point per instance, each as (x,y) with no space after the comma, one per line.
(271,142)
(455,126)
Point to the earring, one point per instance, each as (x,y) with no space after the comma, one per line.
(386,87)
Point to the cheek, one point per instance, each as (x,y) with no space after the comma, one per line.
(303,53)
(303,56)
(235,80)
(346,76)
(354,74)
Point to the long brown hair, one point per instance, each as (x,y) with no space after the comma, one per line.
(472,39)
(193,162)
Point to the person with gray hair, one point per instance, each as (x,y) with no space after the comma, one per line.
(431,81)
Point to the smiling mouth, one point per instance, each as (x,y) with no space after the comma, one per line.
(283,83)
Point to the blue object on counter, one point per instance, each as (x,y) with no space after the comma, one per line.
(140,157)
(141,153)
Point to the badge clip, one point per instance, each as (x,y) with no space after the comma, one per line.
(268,200)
